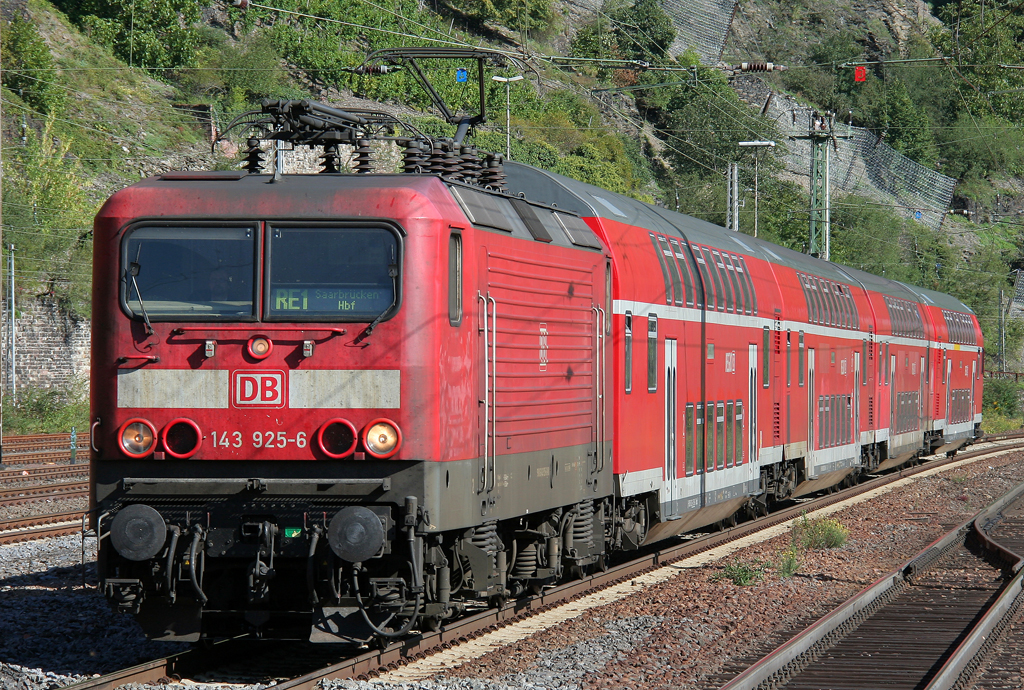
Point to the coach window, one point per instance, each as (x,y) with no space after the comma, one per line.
(705,277)
(664,268)
(720,435)
(709,429)
(629,351)
(673,270)
(684,271)
(738,271)
(739,432)
(750,284)
(716,278)
(888,365)
(699,438)
(789,358)
(189,273)
(652,353)
(864,363)
(608,298)
(730,429)
(333,273)
(688,460)
(766,358)
(455,279)
(800,358)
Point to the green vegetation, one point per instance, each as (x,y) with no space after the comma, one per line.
(743,574)
(821,533)
(789,561)
(1001,396)
(47,410)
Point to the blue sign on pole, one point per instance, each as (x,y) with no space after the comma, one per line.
(461,74)
(917,215)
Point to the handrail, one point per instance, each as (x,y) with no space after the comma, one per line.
(494,391)
(487,391)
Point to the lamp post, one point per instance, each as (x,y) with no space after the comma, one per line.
(756,145)
(508,111)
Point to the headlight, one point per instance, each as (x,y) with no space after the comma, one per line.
(260,347)
(382,438)
(137,437)
(181,438)
(337,438)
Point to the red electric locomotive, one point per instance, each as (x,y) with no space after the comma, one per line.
(340,406)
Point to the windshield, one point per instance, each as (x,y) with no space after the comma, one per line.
(345,274)
(192,273)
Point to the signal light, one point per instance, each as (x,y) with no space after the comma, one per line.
(382,438)
(259,347)
(136,438)
(337,438)
(181,438)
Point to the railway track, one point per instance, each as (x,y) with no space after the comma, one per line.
(42,492)
(476,627)
(40,527)
(931,624)
(63,472)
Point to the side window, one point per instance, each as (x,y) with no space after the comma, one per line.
(455,279)
(730,430)
(740,445)
(673,270)
(740,278)
(709,429)
(716,279)
(608,298)
(652,352)
(705,277)
(800,358)
(730,303)
(766,357)
(628,347)
(720,435)
(789,358)
(689,461)
(664,268)
(750,284)
(699,438)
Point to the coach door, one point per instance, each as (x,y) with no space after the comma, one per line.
(752,397)
(672,492)
(812,407)
(856,398)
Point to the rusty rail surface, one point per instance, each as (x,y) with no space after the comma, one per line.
(372,663)
(40,527)
(61,472)
(912,630)
(42,492)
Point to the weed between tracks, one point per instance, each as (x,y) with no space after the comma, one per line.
(824,533)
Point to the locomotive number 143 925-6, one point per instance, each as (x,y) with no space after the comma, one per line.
(258,439)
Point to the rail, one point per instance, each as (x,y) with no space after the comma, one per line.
(400,652)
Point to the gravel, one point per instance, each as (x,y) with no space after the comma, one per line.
(52,631)
(692,631)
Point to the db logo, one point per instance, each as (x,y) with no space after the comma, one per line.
(252,388)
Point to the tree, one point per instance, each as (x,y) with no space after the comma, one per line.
(29,70)
(906,127)
(150,33)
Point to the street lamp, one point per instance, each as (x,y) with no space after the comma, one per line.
(756,145)
(508,111)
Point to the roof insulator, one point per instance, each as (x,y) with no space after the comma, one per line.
(240,4)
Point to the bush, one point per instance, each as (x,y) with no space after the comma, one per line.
(1001,396)
(24,49)
(743,574)
(47,410)
(823,533)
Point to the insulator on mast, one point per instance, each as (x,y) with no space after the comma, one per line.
(253,161)
(329,160)
(363,156)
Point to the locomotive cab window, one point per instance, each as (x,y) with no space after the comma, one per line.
(189,273)
(332,273)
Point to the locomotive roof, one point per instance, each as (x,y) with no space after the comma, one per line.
(587,200)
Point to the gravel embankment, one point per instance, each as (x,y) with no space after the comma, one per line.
(688,632)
